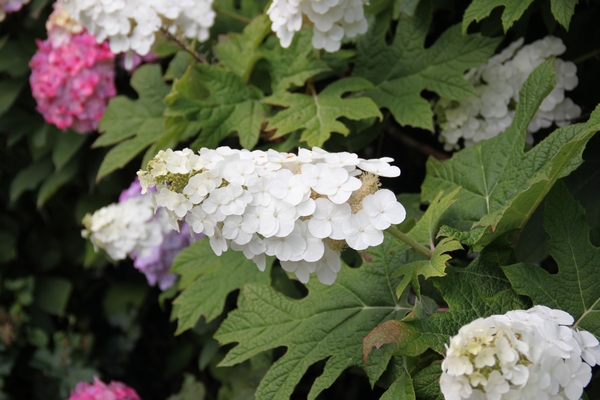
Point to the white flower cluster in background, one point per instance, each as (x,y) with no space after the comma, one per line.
(497,84)
(127,227)
(332,20)
(303,209)
(133,24)
(531,354)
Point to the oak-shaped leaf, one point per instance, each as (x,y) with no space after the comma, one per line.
(294,65)
(575,288)
(401,70)
(317,114)
(238,52)
(221,103)
(502,185)
(513,10)
(207,279)
(479,290)
(132,125)
(329,323)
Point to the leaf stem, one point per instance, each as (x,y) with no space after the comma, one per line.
(232,15)
(587,56)
(392,230)
(198,57)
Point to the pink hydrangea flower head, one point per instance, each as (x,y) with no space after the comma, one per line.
(101,391)
(72,78)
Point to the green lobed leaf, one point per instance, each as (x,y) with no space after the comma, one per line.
(317,114)
(435,266)
(513,10)
(132,124)
(479,290)
(221,102)
(503,185)
(294,65)
(207,280)
(563,10)
(178,65)
(120,155)
(329,323)
(402,70)
(575,288)
(480,9)
(238,52)
(427,382)
(401,388)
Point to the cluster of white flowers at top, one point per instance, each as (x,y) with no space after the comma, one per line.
(523,355)
(128,227)
(331,19)
(497,84)
(303,209)
(133,24)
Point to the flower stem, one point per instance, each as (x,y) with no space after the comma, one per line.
(585,57)
(232,15)
(392,230)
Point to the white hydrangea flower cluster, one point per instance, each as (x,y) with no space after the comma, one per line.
(303,209)
(332,20)
(128,227)
(523,355)
(132,25)
(497,84)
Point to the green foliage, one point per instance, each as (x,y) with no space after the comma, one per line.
(402,70)
(294,65)
(239,52)
(317,114)
(503,185)
(221,102)
(513,10)
(424,230)
(132,125)
(343,312)
(575,288)
(401,388)
(206,286)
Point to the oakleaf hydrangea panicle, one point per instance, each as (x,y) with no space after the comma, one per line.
(332,20)
(132,25)
(101,391)
(523,354)
(131,228)
(10,6)
(72,76)
(497,84)
(303,209)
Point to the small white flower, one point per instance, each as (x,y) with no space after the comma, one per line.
(360,233)
(383,209)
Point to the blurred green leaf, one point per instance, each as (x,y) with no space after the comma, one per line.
(191,389)
(30,178)
(52,294)
(66,146)
(57,180)
(9,91)
(125,118)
